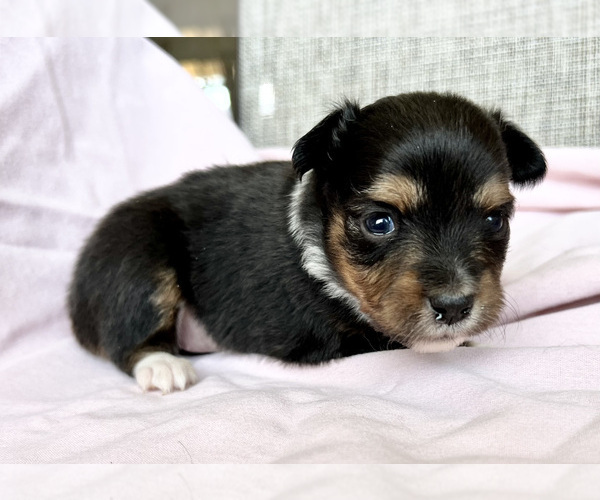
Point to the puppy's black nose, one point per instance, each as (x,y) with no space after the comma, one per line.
(451,310)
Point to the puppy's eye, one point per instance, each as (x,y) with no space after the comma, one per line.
(495,221)
(380,224)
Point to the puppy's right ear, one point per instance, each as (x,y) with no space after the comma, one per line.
(320,147)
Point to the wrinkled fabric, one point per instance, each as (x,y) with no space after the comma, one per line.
(298,482)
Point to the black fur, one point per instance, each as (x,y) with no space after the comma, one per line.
(528,162)
(236,264)
(320,148)
(225,232)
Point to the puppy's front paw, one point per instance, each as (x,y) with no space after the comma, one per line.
(165,372)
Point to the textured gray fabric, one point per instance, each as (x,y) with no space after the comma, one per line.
(419,18)
(549,86)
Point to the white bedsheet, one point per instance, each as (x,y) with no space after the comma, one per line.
(302,482)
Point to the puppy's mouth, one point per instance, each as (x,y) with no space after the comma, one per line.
(431,336)
(432,331)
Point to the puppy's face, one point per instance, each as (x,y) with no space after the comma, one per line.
(415,193)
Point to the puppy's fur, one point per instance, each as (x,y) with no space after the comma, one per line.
(389,231)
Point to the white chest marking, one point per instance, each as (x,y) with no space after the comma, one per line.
(308,234)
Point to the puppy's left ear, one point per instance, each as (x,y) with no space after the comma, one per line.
(524,156)
(320,148)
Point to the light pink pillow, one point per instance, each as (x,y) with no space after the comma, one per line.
(83,18)
(86,123)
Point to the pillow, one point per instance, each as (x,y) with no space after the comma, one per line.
(86,123)
(82,18)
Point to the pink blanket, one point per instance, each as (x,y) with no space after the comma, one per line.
(86,123)
(83,18)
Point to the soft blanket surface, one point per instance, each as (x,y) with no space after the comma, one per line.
(89,122)
(83,18)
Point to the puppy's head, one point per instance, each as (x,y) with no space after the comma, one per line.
(414,194)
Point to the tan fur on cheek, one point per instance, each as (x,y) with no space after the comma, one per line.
(489,299)
(340,258)
(401,304)
(389,295)
(166,299)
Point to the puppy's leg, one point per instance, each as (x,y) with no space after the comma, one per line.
(153,363)
(125,293)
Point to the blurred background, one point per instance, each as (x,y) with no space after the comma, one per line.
(270,66)
(201,17)
(212,62)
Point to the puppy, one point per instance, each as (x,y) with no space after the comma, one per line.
(388,229)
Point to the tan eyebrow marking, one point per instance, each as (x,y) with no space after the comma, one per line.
(398,190)
(493,194)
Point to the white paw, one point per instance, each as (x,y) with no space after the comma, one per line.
(165,372)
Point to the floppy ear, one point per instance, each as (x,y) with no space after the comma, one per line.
(524,156)
(320,147)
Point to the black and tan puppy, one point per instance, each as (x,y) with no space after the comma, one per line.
(389,231)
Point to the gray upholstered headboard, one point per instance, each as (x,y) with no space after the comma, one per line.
(549,86)
(472,18)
